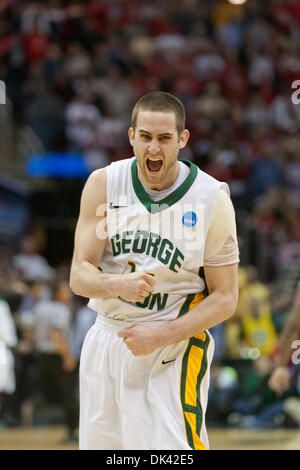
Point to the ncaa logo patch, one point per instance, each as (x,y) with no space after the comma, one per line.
(189,219)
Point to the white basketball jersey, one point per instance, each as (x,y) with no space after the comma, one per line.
(165,239)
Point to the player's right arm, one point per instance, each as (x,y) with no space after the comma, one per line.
(90,239)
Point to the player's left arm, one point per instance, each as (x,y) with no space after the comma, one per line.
(218,306)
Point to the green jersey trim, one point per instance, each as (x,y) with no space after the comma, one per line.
(175,196)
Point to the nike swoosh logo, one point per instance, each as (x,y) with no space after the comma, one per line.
(113,206)
(167,362)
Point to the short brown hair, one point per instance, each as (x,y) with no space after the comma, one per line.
(160,101)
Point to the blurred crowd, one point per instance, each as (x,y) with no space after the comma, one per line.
(43,326)
(73,71)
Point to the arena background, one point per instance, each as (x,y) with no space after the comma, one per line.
(72,70)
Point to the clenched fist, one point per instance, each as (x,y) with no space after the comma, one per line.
(135,287)
(141,339)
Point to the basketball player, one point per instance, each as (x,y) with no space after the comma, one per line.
(166,239)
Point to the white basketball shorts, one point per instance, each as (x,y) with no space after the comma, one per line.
(152,402)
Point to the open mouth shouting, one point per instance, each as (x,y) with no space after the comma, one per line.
(154,165)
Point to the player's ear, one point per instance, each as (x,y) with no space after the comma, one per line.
(183,139)
(131,135)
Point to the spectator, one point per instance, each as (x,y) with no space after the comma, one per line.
(264,173)
(287,370)
(292,172)
(209,64)
(284,112)
(254,310)
(35,43)
(116,91)
(261,69)
(30,263)
(57,367)
(34,16)
(77,62)
(22,402)
(8,341)
(44,113)
(257,112)
(53,63)
(280,378)
(82,118)
(256,405)
(212,104)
